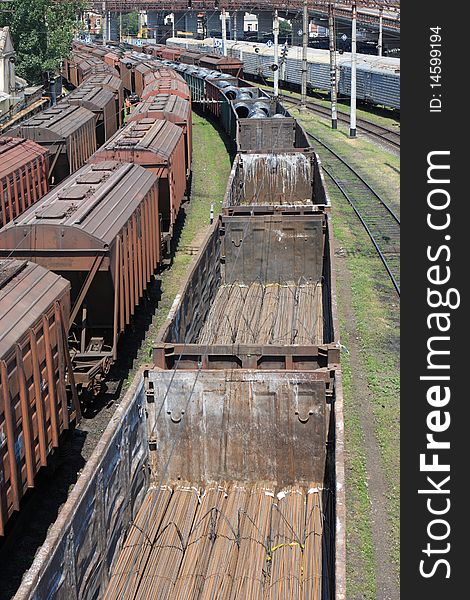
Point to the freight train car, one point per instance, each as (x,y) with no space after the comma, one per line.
(80,65)
(67,131)
(100,230)
(167,85)
(168,107)
(258,297)
(114,83)
(158,146)
(288,183)
(224,64)
(101,102)
(23,176)
(381,75)
(34,365)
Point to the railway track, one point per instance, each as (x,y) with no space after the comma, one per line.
(382,134)
(378,218)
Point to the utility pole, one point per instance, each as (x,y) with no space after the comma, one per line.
(379,45)
(276,53)
(332,39)
(103,23)
(352,127)
(120,27)
(224,33)
(234,33)
(303,89)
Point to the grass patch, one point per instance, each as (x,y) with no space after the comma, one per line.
(360,558)
(376,310)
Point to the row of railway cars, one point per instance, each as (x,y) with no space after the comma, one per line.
(378,77)
(240,418)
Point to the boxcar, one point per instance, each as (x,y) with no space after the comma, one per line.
(113,59)
(168,85)
(100,230)
(190,58)
(80,65)
(23,176)
(100,101)
(67,131)
(113,83)
(168,108)
(159,72)
(133,71)
(34,364)
(159,146)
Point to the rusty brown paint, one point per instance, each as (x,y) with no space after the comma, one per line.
(41,420)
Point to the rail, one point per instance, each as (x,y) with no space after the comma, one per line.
(381,133)
(377,217)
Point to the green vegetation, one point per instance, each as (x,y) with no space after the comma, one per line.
(130,23)
(369,321)
(285,28)
(42,32)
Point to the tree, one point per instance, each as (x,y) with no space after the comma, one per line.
(42,32)
(285,28)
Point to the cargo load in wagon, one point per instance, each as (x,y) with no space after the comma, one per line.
(286,182)
(208,483)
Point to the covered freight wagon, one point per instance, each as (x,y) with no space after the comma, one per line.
(167,85)
(23,176)
(161,72)
(113,83)
(100,230)
(224,64)
(168,108)
(80,65)
(158,146)
(133,70)
(67,131)
(34,364)
(100,101)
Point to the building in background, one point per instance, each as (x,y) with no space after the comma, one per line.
(11,87)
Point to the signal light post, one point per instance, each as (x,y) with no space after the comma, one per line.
(332,40)
(352,128)
(276,53)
